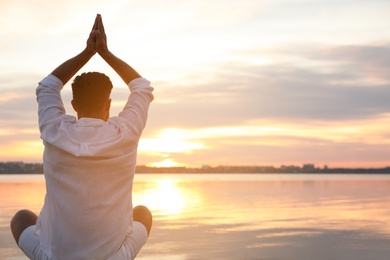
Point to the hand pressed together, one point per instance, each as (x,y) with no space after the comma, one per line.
(97,40)
(96,43)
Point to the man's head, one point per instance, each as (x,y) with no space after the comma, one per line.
(91,95)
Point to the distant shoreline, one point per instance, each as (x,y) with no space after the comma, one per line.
(232,173)
(37,168)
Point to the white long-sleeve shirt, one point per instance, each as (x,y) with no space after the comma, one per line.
(89,166)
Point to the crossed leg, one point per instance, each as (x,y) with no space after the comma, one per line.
(142,214)
(22,220)
(25,218)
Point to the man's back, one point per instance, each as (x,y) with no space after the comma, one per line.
(88,206)
(89,169)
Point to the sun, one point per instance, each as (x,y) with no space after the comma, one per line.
(165,163)
(171,140)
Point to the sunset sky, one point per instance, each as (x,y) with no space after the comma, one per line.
(249,82)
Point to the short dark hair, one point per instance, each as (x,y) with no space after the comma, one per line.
(91,90)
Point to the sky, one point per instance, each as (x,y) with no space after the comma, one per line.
(249,82)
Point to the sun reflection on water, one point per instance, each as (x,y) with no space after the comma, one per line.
(165,197)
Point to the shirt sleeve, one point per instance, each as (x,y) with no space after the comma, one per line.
(49,100)
(136,109)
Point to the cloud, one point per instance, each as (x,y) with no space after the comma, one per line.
(352,143)
(18,110)
(346,82)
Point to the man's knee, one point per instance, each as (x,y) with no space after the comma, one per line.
(142,214)
(22,220)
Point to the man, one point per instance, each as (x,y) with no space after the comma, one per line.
(89,164)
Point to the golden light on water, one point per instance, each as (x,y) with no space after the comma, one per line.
(165,197)
(15,195)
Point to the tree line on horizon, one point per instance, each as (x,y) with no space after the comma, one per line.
(37,168)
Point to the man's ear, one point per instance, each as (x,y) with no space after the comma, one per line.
(74,105)
(108,105)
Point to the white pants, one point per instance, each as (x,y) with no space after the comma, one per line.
(29,243)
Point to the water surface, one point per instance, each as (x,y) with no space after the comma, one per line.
(240,216)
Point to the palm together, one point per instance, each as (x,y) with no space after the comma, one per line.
(97,41)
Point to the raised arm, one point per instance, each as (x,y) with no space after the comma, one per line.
(124,70)
(70,67)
